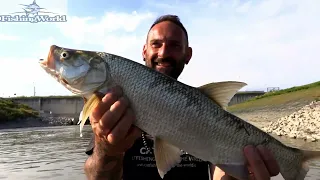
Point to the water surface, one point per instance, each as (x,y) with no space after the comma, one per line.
(43,153)
(58,153)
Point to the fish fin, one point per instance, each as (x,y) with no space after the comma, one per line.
(310,155)
(238,171)
(80,118)
(307,156)
(304,167)
(222,92)
(167,156)
(91,103)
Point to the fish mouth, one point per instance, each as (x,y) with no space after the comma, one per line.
(57,76)
(74,71)
(50,66)
(53,73)
(64,80)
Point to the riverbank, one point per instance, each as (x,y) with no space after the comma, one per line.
(304,123)
(288,112)
(16,115)
(10,111)
(37,122)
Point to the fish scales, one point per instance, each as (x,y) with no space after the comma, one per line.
(212,128)
(177,116)
(209,129)
(204,122)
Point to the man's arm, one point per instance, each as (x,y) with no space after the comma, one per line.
(114,133)
(100,165)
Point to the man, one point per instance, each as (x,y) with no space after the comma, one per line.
(121,151)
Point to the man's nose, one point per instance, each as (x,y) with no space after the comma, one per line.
(164,51)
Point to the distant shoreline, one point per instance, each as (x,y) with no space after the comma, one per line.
(37,122)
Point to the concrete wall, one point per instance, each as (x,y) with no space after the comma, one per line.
(72,106)
(244,96)
(67,107)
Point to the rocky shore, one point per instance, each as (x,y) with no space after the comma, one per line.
(38,122)
(301,124)
(59,121)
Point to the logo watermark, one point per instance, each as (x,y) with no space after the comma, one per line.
(33,13)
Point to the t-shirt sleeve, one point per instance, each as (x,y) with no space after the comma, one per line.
(90,147)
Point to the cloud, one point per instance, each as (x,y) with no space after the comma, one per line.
(4,37)
(57,6)
(244,7)
(19,76)
(93,30)
(114,32)
(269,43)
(44,46)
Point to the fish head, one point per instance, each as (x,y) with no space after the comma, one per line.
(81,72)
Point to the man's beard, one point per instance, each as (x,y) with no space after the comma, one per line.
(167,66)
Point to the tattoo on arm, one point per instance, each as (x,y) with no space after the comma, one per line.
(110,169)
(102,166)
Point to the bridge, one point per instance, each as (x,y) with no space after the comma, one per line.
(71,106)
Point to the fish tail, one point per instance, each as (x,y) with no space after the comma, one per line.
(304,166)
(88,107)
(310,155)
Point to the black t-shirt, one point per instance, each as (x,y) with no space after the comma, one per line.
(140,164)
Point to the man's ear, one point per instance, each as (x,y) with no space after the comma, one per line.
(144,51)
(189,55)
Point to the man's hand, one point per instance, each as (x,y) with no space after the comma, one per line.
(112,120)
(261,163)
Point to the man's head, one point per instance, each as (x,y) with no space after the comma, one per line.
(167,47)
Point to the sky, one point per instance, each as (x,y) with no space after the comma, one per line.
(267,43)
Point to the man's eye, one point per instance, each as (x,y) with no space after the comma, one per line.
(156,44)
(176,45)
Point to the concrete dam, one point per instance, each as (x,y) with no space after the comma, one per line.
(71,106)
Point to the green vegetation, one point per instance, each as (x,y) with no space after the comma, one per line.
(10,110)
(32,97)
(289,90)
(305,93)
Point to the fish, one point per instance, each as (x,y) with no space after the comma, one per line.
(179,117)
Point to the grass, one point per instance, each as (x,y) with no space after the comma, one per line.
(10,110)
(305,93)
(57,97)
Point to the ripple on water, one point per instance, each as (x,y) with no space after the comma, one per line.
(55,153)
(43,153)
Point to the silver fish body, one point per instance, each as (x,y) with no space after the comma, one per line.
(180,116)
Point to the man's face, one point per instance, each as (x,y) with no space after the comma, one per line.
(166,49)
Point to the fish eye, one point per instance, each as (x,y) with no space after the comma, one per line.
(64,55)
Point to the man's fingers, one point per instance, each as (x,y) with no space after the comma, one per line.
(133,134)
(111,97)
(256,163)
(113,115)
(120,131)
(269,160)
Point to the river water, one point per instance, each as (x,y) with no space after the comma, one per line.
(58,153)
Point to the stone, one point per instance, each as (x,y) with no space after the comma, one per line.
(302,124)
